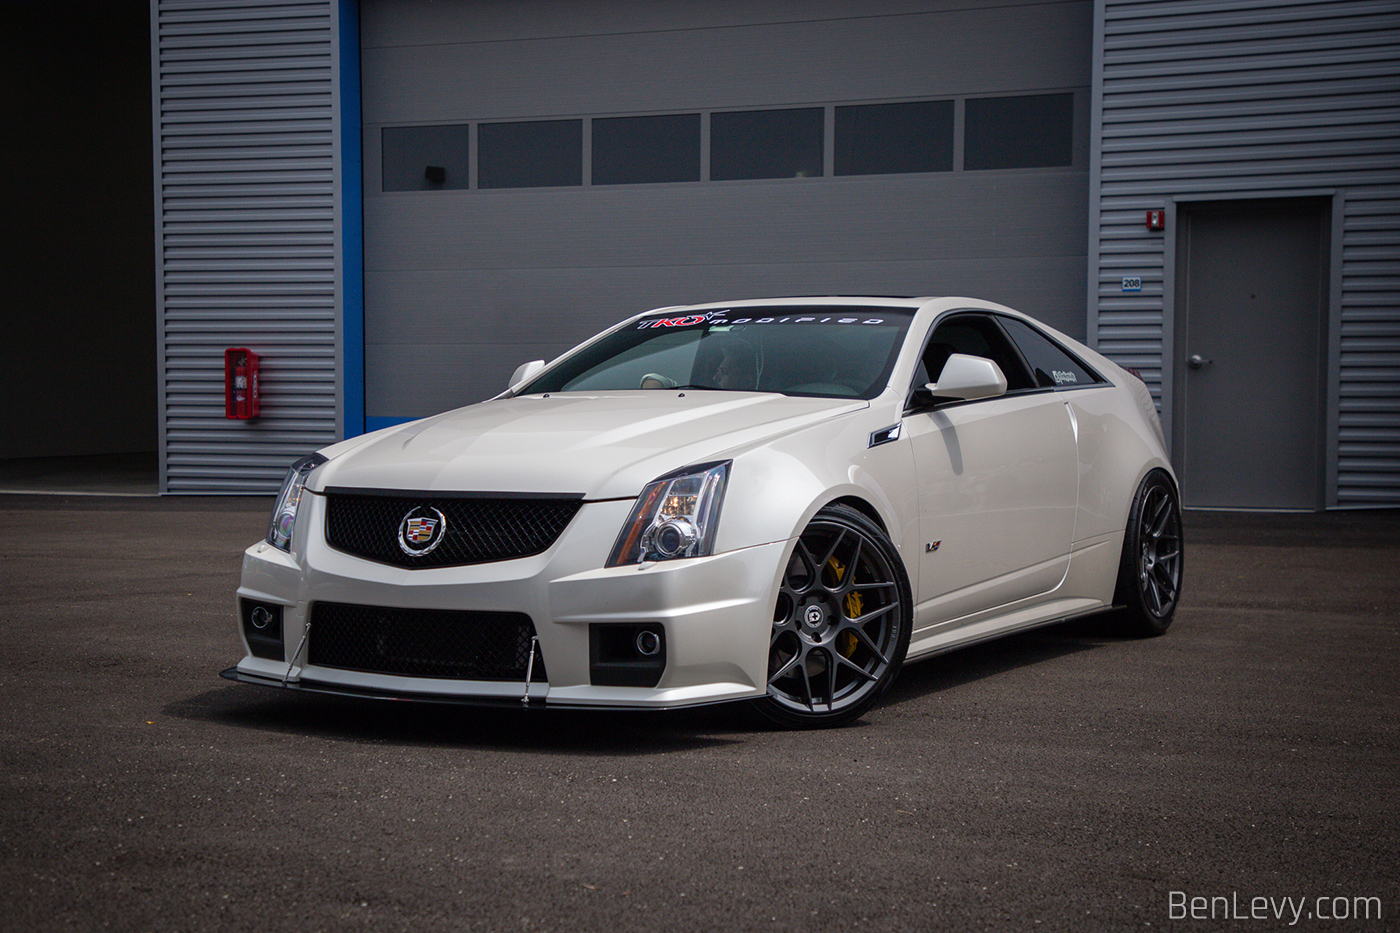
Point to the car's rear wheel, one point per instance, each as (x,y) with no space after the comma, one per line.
(1149,574)
(841,624)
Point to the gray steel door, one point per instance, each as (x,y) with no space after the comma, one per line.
(1250,364)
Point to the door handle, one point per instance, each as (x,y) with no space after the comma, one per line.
(1196,361)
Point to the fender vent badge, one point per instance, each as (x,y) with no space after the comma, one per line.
(884,435)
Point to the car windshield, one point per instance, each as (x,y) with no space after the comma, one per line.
(839,351)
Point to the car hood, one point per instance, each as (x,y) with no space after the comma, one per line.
(602,446)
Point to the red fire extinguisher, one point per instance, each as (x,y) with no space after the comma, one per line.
(240,383)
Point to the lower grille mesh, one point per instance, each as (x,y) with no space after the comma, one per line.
(440,643)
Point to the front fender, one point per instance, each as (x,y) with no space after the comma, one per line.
(776,489)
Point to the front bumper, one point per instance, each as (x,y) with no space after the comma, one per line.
(715,614)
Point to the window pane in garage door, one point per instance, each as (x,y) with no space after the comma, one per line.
(883,139)
(766,144)
(1020,132)
(636,150)
(425,158)
(547,153)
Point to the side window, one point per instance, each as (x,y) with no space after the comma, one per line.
(1053,366)
(975,335)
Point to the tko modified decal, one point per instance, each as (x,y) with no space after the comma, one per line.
(719,318)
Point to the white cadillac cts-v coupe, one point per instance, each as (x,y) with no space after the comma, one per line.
(779,501)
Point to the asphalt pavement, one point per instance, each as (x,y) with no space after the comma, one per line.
(1240,772)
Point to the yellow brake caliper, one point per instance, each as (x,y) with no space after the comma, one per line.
(847,643)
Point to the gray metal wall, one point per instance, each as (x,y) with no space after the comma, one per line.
(1196,101)
(247,234)
(462,285)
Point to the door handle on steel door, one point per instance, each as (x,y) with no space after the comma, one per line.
(1196,361)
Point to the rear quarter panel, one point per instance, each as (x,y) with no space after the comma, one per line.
(1119,442)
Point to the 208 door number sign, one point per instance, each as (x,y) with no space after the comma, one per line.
(1132,283)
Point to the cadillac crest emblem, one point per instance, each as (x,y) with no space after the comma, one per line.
(421,531)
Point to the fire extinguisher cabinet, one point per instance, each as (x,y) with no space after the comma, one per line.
(240,383)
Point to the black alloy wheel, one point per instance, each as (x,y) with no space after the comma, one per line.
(1149,574)
(841,624)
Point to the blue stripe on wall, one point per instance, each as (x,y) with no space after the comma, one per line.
(375,422)
(352,221)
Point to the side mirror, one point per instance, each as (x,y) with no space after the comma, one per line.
(964,378)
(525,372)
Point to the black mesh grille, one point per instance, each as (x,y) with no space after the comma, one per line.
(447,644)
(480,528)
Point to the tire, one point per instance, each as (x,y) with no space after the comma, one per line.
(1149,573)
(841,623)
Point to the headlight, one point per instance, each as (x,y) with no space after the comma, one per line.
(284,514)
(674,516)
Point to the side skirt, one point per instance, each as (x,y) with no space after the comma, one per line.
(1052,613)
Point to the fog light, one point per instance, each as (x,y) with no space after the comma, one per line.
(624,654)
(262,629)
(648,643)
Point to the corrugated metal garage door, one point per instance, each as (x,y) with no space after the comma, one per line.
(1208,100)
(466,276)
(247,244)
